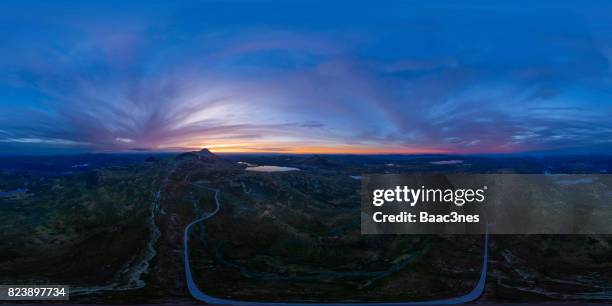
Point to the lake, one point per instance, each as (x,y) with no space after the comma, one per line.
(271,169)
(13,192)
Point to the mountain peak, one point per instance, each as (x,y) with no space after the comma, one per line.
(205,152)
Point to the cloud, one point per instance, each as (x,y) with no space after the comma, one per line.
(169,82)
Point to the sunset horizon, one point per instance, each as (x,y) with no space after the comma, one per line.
(305,152)
(103,80)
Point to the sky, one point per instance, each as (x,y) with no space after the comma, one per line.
(408,77)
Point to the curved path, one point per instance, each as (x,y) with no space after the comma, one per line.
(203,297)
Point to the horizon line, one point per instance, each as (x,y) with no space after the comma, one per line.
(353,153)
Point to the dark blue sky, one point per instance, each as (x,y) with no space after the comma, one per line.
(288,76)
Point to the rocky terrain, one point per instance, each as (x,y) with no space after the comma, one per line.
(114,232)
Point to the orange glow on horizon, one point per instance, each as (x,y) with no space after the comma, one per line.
(317,150)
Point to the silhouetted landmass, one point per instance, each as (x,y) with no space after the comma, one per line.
(113,225)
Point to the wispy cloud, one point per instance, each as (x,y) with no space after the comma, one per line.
(160,79)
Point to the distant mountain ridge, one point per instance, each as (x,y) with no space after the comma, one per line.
(204,155)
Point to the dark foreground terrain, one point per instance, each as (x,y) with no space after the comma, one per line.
(112,226)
